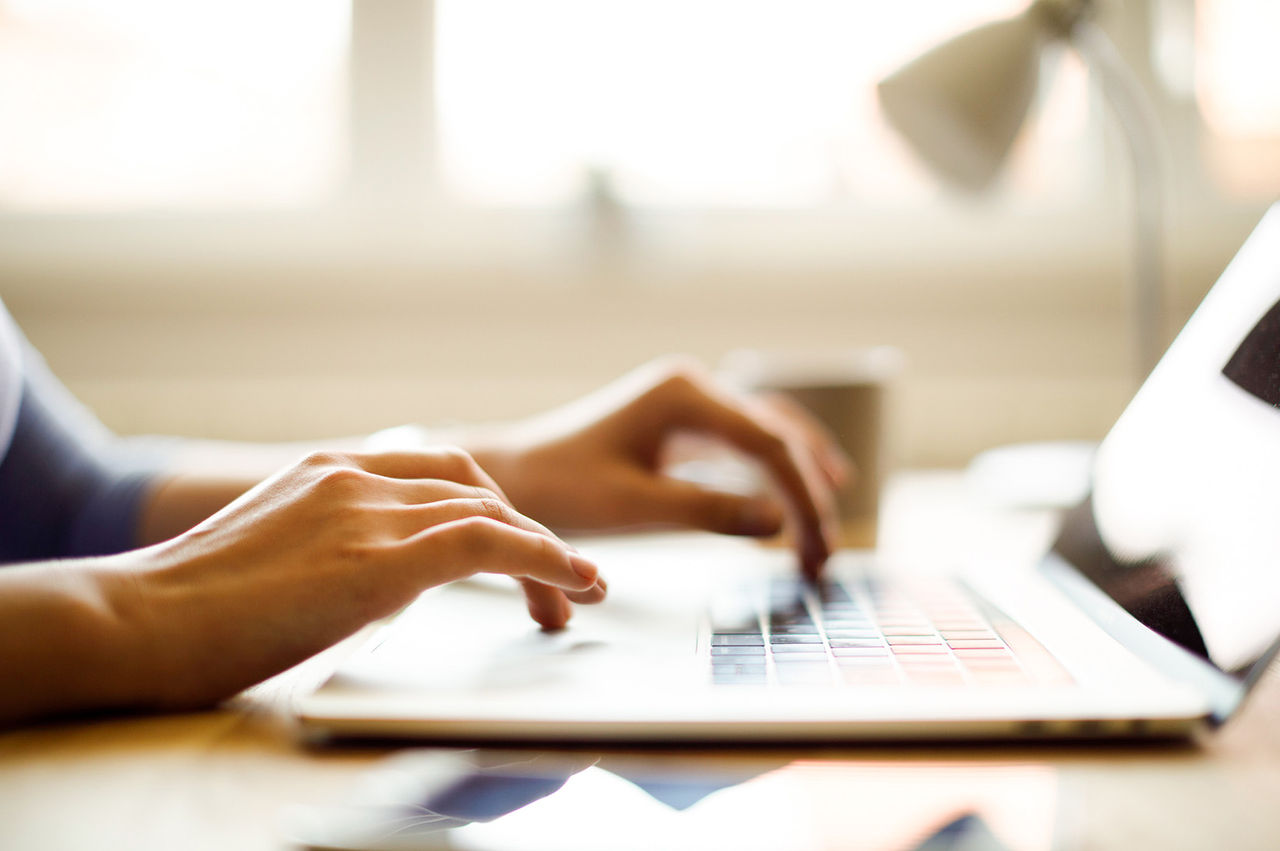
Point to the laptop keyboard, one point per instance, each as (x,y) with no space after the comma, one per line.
(866,632)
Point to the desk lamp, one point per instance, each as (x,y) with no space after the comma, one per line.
(960,107)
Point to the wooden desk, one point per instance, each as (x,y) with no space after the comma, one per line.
(219,779)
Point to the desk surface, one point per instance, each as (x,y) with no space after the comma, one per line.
(219,779)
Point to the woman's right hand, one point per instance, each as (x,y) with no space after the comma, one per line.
(314,553)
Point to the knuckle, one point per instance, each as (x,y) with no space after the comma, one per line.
(457,463)
(477,536)
(494,509)
(680,375)
(341,480)
(545,548)
(681,367)
(483,494)
(679,380)
(324,458)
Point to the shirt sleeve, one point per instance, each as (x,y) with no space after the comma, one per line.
(68,486)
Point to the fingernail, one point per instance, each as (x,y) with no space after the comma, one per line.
(759,517)
(583,567)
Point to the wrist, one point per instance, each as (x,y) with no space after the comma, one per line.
(131,651)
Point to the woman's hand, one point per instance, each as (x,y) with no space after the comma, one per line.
(318,551)
(596,464)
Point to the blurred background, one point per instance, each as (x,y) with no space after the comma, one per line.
(296,218)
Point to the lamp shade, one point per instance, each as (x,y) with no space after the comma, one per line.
(961,104)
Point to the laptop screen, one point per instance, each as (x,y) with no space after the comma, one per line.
(1183,524)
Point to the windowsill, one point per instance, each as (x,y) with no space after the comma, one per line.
(963,254)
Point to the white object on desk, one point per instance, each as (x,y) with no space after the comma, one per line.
(1052,474)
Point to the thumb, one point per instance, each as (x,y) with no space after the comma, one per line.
(679,503)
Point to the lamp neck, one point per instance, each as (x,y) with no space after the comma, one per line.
(1060,16)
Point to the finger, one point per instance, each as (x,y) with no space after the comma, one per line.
(548,606)
(437,462)
(595,594)
(673,502)
(423,491)
(810,500)
(834,462)
(462,548)
(410,519)
(551,608)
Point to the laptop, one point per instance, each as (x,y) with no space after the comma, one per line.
(1152,616)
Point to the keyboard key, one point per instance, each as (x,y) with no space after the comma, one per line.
(913,639)
(926,662)
(737,650)
(897,618)
(856,642)
(797,625)
(789,660)
(736,639)
(849,623)
(734,663)
(795,629)
(877,651)
(795,639)
(865,657)
(833,592)
(740,679)
(792,649)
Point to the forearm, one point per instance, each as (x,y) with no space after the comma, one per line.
(181,501)
(64,646)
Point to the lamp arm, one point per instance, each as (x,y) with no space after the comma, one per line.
(1141,130)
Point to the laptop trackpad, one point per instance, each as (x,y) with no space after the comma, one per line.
(477,635)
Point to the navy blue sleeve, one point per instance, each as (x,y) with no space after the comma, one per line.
(68,486)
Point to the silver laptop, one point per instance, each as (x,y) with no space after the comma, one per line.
(1153,615)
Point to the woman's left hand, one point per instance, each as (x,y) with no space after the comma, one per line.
(596,464)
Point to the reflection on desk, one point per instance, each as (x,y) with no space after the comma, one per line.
(539,802)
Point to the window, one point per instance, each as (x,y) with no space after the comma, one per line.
(151,104)
(1237,88)
(664,104)
(723,103)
